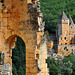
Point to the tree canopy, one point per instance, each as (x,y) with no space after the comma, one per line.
(62,67)
(18,57)
(52,9)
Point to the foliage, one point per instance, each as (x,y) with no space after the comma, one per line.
(52,9)
(18,57)
(66,68)
(47,33)
(65,48)
(53,67)
(62,67)
(2,1)
(70,58)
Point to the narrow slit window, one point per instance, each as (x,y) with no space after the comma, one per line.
(65,38)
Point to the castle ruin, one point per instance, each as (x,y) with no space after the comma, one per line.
(23,18)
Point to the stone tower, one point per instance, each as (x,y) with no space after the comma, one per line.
(65,31)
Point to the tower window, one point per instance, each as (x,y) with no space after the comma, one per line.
(61,38)
(64,23)
(37,55)
(65,43)
(0,57)
(65,38)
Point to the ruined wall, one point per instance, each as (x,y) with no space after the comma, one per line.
(42,57)
(21,18)
(17,20)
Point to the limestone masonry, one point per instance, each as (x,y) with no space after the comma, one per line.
(65,34)
(23,18)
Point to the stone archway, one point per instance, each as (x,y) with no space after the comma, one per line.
(8,48)
(9,44)
(31,67)
(19,57)
(15,20)
(22,18)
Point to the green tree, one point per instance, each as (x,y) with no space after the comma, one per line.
(47,33)
(66,68)
(62,67)
(14,70)
(53,67)
(70,58)
(18,57)
(52,9)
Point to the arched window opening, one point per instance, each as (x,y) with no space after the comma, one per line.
(65,43)
(61,38)
(65,38)
(18,58)
(1,1)
(1,58)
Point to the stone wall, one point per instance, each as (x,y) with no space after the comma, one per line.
(65,34)
(5,69)
(64,50)
(21,18)
(42,57)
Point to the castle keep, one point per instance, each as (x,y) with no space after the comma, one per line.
(65,35)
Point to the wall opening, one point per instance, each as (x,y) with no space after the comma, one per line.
(1,1)
(65,43)
(65,38)
(1,58)
(18,58)
(61,38)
